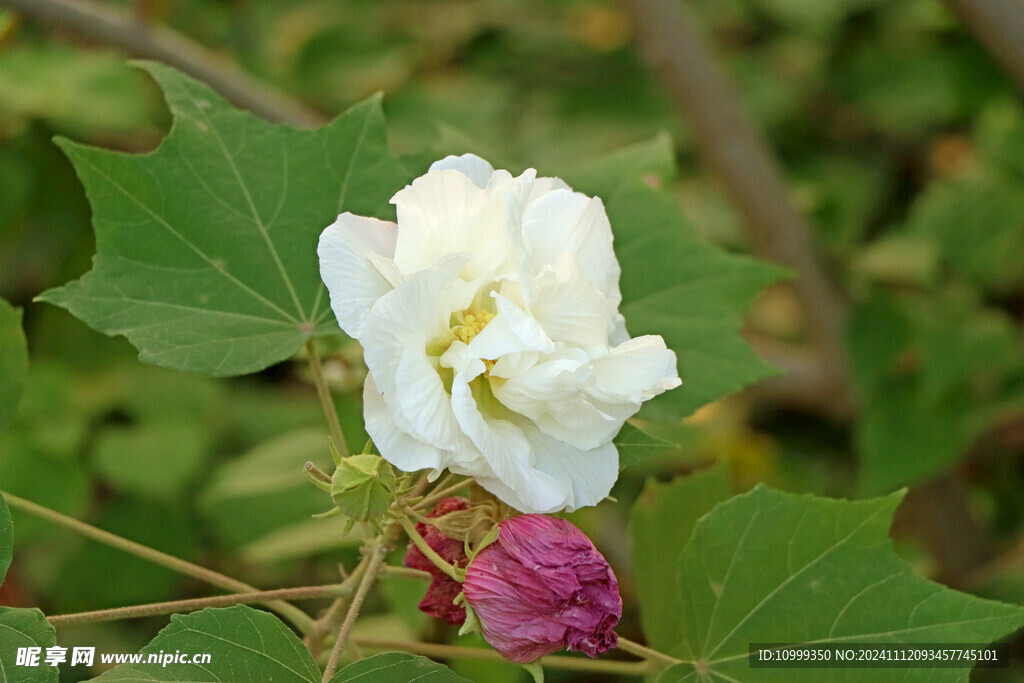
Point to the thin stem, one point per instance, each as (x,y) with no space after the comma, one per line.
(115,26)
(437,495)
(376,560)
(324,392)
(331,618)
(553,662)
(406,573)
(647,653)
(173,606)
(290,612)
(430,553)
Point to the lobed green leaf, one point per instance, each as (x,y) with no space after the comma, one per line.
(25,628)
(396,666)
(663,517)
(245,646)
(206,248)
(773,567)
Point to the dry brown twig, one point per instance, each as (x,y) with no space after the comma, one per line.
(122,29)
(747,169)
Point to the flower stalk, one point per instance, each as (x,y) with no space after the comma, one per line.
(175,606)
(326,400)
(437,494)
(414,536)
(290,612)
(376,554)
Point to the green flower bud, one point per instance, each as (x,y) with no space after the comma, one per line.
(363,487)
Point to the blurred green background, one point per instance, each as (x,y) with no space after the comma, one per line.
(901,140)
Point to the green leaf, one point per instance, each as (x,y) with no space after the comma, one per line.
(663,517)
(397,666)
(774,567)
(85,92)
(265,489)
(673,283)
(206,248)
(978,223)
(6,539)
(929,373)
(635,445)
(151,460)
(13,362)
(25,628)
(245,646)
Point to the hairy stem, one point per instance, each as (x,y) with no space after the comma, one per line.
(377,552)
(553,662)
(430,553)
(324,392)
(174,606)
(334,614)
(646,652)
(301,620)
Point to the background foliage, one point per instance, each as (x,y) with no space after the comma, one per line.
(901,140)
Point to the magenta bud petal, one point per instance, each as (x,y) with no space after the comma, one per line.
(443,589)
(543,586)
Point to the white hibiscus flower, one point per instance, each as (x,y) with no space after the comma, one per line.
(489,318)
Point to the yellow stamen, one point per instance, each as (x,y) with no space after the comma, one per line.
(472,325)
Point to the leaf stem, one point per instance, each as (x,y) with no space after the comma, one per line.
(173,606)
(301,620)
(647,653)
(324,392)
(377,553)
(553,662)
(431,554)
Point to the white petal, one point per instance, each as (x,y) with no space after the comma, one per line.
(569,221)
(635,371)
(570,309)
(544,185)
(355,253)
(396,334)
(444,212)
(508,454)
(588,475)
(512,364)
(396,446)
(470,165)
(523,325)
(533,392)
(554,395)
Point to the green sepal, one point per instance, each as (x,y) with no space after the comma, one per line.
(535,670)
(363,487)
(472,622)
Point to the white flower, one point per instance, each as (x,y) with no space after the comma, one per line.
(489,318)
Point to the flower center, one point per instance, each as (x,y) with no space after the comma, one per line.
(473,323)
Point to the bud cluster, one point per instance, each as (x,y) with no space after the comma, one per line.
(539,587)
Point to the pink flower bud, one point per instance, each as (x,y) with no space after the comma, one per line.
(443,589)
(542,586)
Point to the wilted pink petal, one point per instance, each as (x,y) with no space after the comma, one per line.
(543,586)
(443,589)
